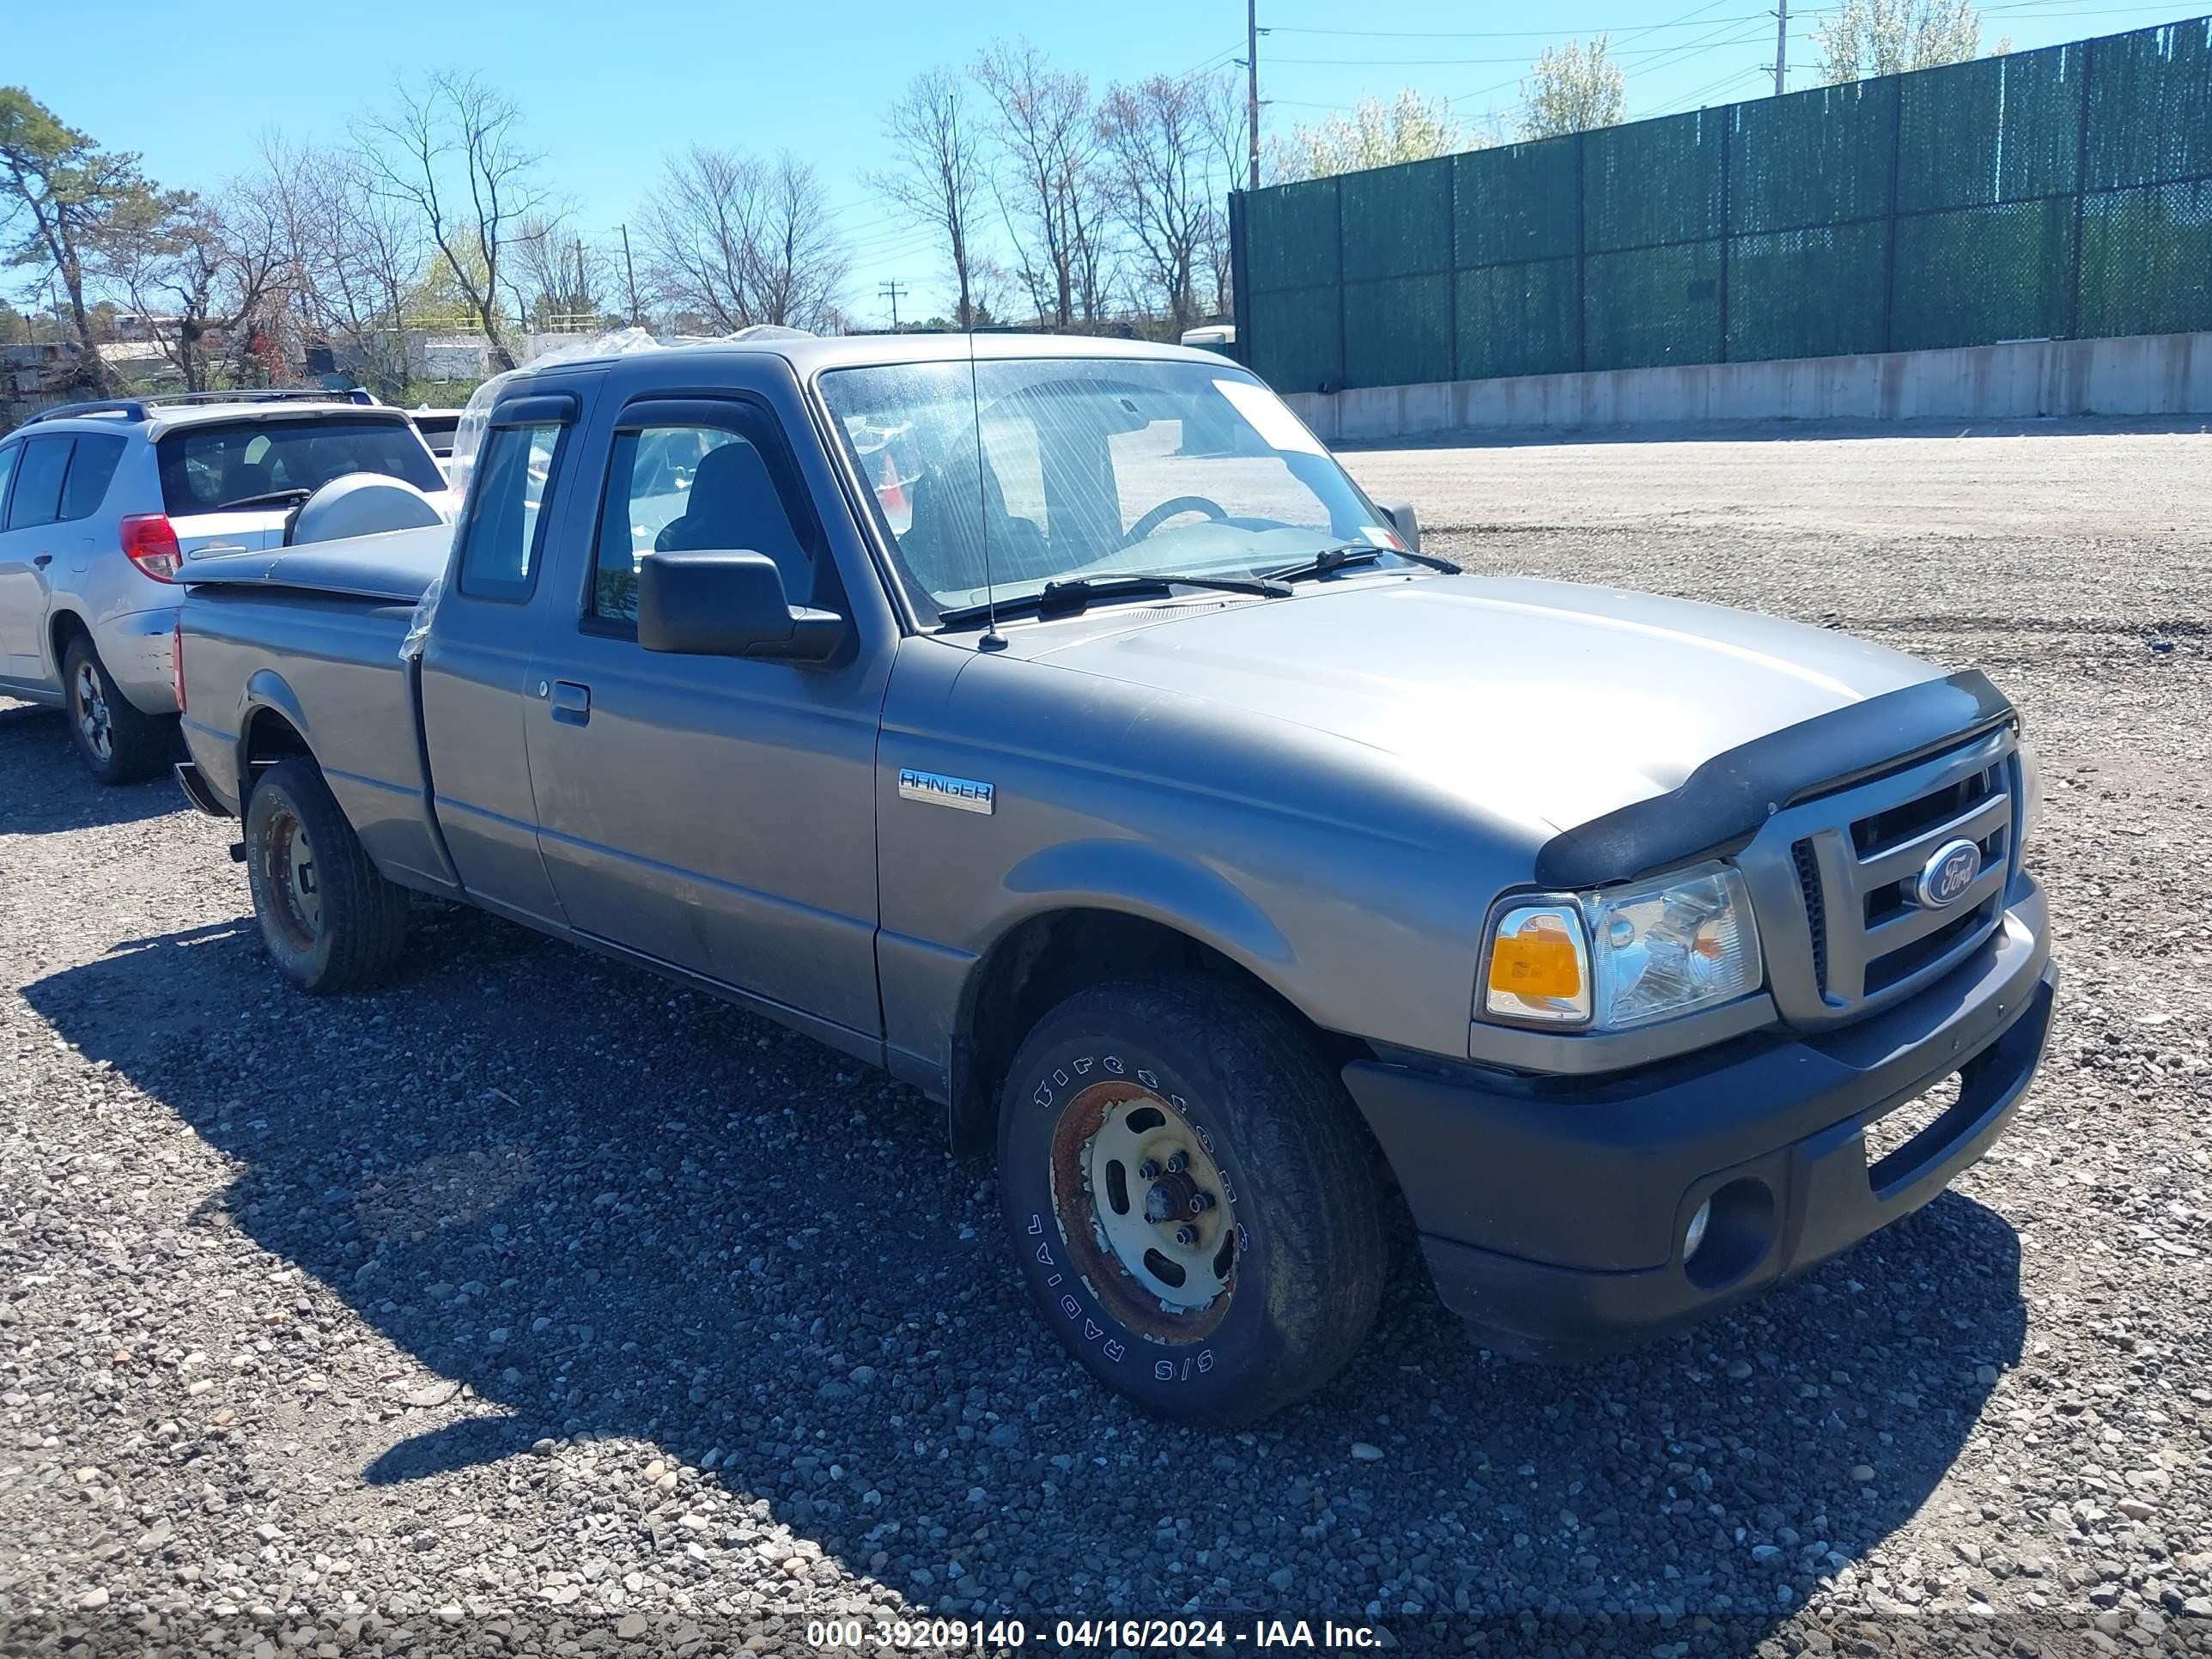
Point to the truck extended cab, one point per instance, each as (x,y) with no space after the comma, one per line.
(1056,723)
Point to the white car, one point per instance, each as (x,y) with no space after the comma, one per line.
(102,503)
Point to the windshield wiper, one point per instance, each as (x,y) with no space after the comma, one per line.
(1075,595)
(271,498)
(1330,559)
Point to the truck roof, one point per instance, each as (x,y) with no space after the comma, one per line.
(808,355)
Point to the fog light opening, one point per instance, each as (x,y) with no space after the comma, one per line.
(1693,1235)
(1729,1234)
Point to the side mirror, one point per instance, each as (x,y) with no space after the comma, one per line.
(728,605)
(1402,520)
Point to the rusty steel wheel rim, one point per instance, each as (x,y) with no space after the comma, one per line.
(1145,1210)
(288,871)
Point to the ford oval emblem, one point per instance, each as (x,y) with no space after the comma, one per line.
(1947,874)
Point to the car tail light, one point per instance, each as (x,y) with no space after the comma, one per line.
(177,660)
(149,541)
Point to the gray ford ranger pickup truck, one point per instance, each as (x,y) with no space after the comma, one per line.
(1054,723)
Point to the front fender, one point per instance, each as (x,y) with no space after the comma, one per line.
(1139,879)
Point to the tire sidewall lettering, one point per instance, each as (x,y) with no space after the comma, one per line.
(1092,1325)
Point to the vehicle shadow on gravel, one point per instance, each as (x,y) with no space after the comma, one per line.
(35,742)
(607,1206)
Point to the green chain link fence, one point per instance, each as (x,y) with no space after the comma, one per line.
(2063,193)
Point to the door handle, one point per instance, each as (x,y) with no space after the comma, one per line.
(571,702)
(42,559)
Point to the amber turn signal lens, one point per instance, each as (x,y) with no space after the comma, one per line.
(1540,961)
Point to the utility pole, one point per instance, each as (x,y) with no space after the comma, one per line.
(1781,47)
(1252,84)
(891,290)
(630,270)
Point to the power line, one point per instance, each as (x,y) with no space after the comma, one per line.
(1689,100)
(1512,34)
(1450,62)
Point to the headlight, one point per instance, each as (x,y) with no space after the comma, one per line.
(1621,956)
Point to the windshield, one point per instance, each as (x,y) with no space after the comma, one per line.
(1059,470)
(205,469)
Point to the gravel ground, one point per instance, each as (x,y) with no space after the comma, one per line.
(530,1305)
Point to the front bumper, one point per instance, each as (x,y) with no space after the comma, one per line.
(1552,1210)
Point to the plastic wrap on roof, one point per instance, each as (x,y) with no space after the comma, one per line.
(476,416)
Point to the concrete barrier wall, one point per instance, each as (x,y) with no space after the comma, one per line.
(2143,375)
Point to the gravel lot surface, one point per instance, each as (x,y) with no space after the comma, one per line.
(533,1305)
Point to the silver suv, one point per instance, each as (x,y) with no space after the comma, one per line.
(100,506)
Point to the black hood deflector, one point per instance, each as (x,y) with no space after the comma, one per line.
(1721,805)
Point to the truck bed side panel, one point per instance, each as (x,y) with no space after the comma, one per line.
(328,667)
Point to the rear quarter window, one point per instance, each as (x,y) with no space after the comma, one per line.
(92,469)
(275,463)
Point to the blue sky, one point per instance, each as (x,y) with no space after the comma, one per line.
(610,90)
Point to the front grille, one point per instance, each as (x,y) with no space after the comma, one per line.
(1894,966)
(1894,825)
(1855,859)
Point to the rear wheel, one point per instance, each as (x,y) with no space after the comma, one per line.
(117,741)
(1191,1197)
(331,920)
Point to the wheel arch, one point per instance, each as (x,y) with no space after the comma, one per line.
(1048,955)
(64,624)
(271,727)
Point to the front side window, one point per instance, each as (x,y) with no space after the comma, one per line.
(694,488)
(253,464)
(505,527)
(1008,474)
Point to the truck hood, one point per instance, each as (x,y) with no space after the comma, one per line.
(1547,702)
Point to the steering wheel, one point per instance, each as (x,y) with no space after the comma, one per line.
(1168,509)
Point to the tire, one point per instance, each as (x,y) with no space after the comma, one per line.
(117,741)
(331,922)
(1282,1273)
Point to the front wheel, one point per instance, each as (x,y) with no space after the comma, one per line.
(1191,1197)
(330,918)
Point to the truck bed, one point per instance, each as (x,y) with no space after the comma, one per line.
(395,565)
(300,646)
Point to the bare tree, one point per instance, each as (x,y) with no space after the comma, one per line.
(351,254)
(937,176)
(1409,128)
(733,240)
(63,199)
(452,151)
(1163,160)
(1861,38)
(555,277)
(201,268)
(1573,88)
(1050,190)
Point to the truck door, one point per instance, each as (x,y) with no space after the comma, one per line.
(476,668)
(713,812)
